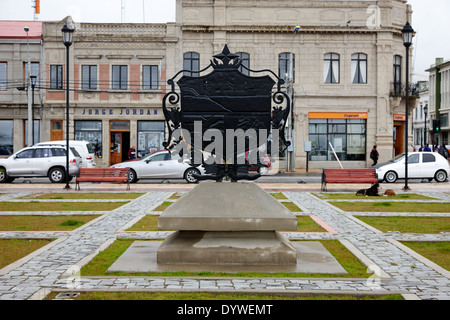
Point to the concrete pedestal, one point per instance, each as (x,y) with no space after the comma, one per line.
(227,224)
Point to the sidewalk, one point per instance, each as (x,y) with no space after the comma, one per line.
(54,267)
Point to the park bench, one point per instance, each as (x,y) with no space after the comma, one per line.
(348,176)
(119,175)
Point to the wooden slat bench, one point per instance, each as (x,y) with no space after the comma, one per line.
(119,175)
(348,176)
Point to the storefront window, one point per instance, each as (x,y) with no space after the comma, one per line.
(150,137)
(90,131)
(347,137)
(6,137)
(35,133)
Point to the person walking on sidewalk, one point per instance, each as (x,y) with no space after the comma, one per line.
(374,155)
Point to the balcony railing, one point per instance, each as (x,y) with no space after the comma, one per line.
(399,90)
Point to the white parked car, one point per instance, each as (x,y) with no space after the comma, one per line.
(40,161)
(84,148)
(161,165)
(421,165)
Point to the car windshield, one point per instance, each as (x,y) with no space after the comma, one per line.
(398,158)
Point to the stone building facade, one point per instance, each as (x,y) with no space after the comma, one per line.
(439,106)
(346,81)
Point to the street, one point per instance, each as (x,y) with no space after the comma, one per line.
(313,178)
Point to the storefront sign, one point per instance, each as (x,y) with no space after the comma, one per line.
(120,125)
(119,112)
(338,115)
(399,117)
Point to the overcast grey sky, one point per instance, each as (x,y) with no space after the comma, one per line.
(430,20)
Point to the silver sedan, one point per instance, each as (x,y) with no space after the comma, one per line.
(160,165)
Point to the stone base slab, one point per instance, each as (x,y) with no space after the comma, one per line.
(227,248)
(312,257)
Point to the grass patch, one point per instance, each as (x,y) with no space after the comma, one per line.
(175,196)
(163,206)
(438,252)
(291,206)
(60,206)
(100,263)
(148,223)
(353,196)
(102,295)
(43,223)
(387,206)
(12,250)
(85,195)
(278,195)
(409,224)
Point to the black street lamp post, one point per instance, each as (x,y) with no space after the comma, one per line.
(67,40)
(33,85)
(425,112)
(407,35)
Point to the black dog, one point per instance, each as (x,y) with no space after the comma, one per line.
(371,192)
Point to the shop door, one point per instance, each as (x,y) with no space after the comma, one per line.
(399,138)
(56,132)
(116,148)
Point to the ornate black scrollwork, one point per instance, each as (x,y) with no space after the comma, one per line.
(225,99)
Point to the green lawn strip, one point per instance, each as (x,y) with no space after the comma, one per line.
(353,196)
(438,252)
(12,250)
(386,206)
(408,224)
(163,206)
(60,206)
(291,206)
(100,263)
(43,222)
(102,295)
(85,195)
(279,195)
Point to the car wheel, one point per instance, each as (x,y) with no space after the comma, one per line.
(390,177)
(440,176)
(56,175)
(132,177)
(263,171)
(4,177)
(189,175)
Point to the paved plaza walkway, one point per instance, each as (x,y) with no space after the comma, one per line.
(394,267)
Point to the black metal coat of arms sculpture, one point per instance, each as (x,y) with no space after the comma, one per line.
(226,117)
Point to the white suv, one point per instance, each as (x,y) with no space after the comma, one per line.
(40,161)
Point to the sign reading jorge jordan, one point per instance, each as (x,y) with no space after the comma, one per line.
(226,120)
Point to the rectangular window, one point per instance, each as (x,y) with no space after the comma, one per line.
(56,77)
(245,61)
(89,77)
(35,134)
(90,131)
(34,72)
(119,77)
(347,136)
(150,137)
(331,68)
(6,137)
(3,75)
(150,77)
(359,68)
(191,64)
(397,75)
(286,66)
